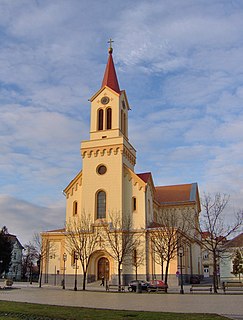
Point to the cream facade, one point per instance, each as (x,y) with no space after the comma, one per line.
(107,186)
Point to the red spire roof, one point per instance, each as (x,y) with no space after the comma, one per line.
(110,78)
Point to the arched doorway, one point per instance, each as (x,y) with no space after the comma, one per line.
(103,268)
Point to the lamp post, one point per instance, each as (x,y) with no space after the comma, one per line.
(64,268)
(31,270)
(76,268)
(1,261)
(181,253)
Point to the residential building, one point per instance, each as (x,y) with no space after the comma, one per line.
(15,270)
(227,257)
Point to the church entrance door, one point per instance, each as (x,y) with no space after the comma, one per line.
(103,268)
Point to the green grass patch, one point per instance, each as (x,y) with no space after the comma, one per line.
(31,311)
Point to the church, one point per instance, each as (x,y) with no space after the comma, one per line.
(108,187)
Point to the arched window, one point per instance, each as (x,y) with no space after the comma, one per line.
(122,122)
(108,118)
(100,119)
(134,203)
(75,208)
(101,205)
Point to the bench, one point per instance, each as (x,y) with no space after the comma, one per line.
(201,287)
(115,287)
(232,286)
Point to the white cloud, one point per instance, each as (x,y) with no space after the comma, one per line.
(24,219)
(180,63)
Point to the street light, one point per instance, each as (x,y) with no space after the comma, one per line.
(31,270)
(64,268)
(76,268)
(1,261)
(181,254)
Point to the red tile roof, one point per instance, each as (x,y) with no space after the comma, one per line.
(205,234)
(173,194)
(110,78)
(144,176)
(236,242)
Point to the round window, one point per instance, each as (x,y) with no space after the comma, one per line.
(105,100)
(101,169)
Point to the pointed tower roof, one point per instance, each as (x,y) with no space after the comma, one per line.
(110,78)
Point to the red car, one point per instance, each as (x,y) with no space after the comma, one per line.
(157,285)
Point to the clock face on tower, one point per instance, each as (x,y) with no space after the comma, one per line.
(105,100)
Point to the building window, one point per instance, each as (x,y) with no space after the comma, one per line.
(14,255)
(108,118)
(101,169)
(149,209)
(100,119)
(122,123)
(205,255)
(101,205)
(75,208)
(134,204)
(206,269)
(135,257)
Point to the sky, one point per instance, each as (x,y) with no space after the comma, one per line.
(180,62)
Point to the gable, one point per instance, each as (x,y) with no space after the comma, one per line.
(237,242)
(101,90)
(136,179)
(77,179)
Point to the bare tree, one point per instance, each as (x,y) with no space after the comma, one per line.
(167,235)
(213,223)
(81,239)
(138,259)
(44,247)
(122,240)
(30,257)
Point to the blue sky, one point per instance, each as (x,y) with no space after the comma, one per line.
(180,62)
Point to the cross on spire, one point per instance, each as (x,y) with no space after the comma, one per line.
(110,48)
(110,78)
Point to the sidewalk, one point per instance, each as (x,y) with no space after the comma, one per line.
(228,305)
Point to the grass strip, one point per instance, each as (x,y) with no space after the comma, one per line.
(30,311)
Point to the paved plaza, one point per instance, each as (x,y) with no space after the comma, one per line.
(230,305)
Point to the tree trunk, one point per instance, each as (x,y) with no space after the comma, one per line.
(40,276)
(136,272)
(162,269)
(215,279)
(84,280)
(119,276)
(166,273)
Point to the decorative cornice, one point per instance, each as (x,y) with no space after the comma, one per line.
(100,151)
(108,151)
(136,181)
(73,185)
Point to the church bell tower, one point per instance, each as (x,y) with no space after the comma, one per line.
(108,150)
